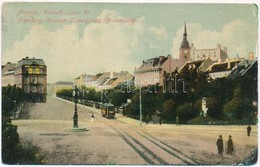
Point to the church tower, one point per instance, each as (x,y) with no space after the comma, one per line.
(185,47)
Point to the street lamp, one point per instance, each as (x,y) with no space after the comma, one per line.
(15,108)
(140,97)
(75,94)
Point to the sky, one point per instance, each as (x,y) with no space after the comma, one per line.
(79,38)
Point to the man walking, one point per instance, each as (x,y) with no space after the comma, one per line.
(230,147)
(220,145)
(249,130)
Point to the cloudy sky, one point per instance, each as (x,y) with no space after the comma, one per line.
(76,38)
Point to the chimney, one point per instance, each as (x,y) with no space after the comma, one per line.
(228,67)
(111,74)
(251,56)
(219,46)
(219,60)
(235,67)
(161,57)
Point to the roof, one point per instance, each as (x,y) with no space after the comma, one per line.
(8,68)
(192,64)
(108,104)
(30,61)
(64,83)
(223,66)
(154,62)
(242,68)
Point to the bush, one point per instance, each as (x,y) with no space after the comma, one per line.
(187,112)
(13,152)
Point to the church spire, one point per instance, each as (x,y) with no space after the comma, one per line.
(185,30)
(185,42)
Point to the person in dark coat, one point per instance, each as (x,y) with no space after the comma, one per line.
(249,130)
(160,120)
(92,117)
(147,119)
(230,147)
(220,145)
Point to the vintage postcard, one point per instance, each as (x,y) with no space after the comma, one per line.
(136,83)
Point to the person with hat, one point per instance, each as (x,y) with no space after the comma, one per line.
(230,147)
(220,145)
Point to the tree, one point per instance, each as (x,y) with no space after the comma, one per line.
(186,112)
(168,107)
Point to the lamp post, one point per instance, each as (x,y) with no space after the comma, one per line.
(140,97)
(75,94)
(15,108)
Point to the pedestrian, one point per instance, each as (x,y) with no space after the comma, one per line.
(160,120)
(230,146)
(147,119)
(177,121)
(220,145)
(92,117)
(249,130)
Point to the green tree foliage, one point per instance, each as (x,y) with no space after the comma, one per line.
(186,112)
(214,107)
(10,142)
(12,151)
(168,107)
(240,108)
(64,93)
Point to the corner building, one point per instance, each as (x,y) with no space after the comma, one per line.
(31,76)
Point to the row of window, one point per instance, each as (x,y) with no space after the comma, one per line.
(34,70)
(33,89)
(33,79)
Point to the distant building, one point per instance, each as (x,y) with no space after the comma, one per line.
(8,74)
(199,65)
(60,85)
(31,76)
(152,70)
(114,79)
(103,81)
(222,69)
(215,54)
(244,67)
(190,53)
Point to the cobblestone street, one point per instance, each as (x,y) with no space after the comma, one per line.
(122,140)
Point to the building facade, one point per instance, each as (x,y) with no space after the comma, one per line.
(152,70)
(215,54)
(31,75)
(8,74)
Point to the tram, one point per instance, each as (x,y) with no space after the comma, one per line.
(108,110)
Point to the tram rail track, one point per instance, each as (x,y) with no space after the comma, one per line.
(146,152)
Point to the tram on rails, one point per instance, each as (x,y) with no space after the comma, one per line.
(108,110)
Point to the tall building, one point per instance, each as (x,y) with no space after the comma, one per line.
(31,75)
(185,48)
(191,53)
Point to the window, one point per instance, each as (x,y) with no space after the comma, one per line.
(40,79)
(26,88)
(34,79)
(34,89)
(41,70)
(26,80)
(40,89)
